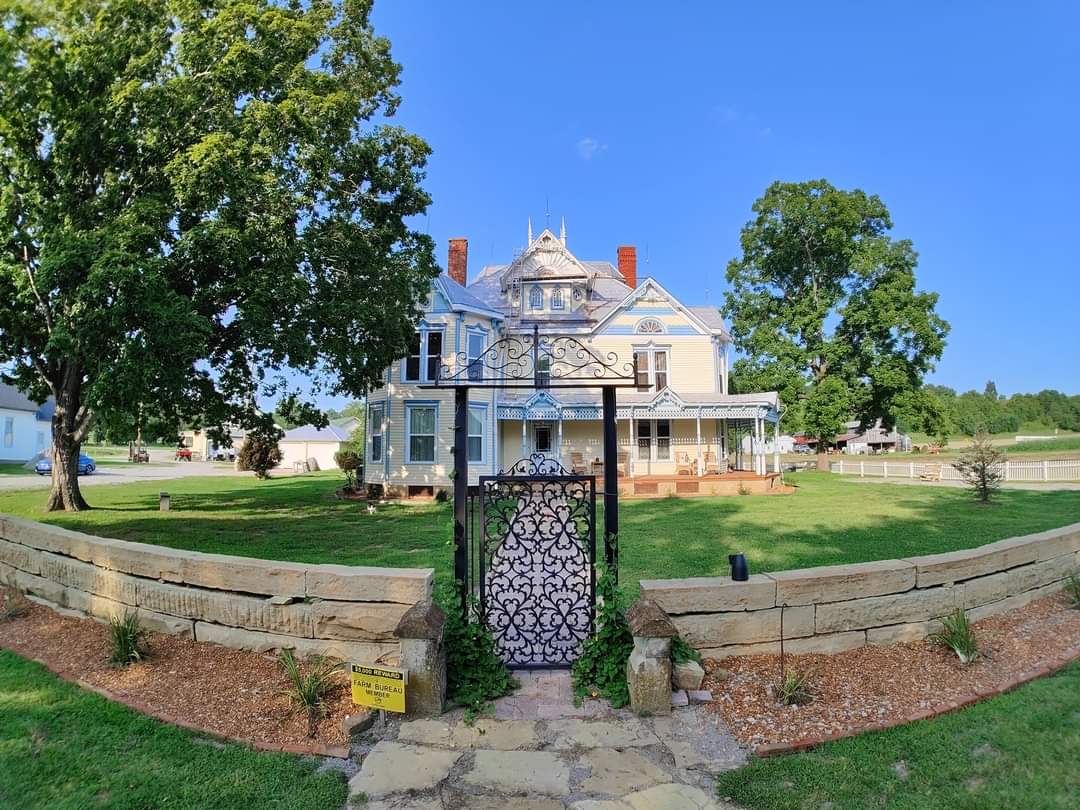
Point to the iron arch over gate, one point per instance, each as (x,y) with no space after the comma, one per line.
(531,561)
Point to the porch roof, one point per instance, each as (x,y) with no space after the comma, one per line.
(585,405)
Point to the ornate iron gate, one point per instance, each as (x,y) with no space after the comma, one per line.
(533,549)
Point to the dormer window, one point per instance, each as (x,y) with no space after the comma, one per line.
(649,326)
(557,299)
(536,298)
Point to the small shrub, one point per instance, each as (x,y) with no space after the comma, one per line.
(309,690)
(441,496)
(681,652)
(260,452)
(475,674)
(958,636)
(126,637)
(1072,590)
(13,605)
(793,688)
(348,462)
(743,489)
(981,467)
(602,663)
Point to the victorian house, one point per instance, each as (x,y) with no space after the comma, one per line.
(679,429)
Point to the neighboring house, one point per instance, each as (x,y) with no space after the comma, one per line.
(875,440)
(308,443)
(25,426)
(679,419)
(198,441)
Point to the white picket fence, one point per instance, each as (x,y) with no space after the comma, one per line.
(1058,469)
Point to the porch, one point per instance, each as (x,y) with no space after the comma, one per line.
(664,441)
(736,482)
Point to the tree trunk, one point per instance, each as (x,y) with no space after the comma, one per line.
(65,494)
(70,424)
(822,459)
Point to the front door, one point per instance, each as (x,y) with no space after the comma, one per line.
(543,443)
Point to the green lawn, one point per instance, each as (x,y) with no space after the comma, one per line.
(62,747)
(828,520)
(14,468)
(1019,750)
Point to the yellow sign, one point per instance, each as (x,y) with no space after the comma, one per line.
(378,687)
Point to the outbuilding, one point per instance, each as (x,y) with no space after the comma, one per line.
(308,444)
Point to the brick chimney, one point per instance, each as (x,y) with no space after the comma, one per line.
(457,263)
(628,264)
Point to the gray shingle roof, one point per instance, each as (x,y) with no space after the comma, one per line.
(461,297)
(310,433)
(15,400)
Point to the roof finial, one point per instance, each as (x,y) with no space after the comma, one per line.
(530,232)
(562,232)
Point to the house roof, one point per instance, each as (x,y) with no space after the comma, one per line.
(310,433)
(459,298)
(13,399)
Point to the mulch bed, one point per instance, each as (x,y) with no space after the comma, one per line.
(877,687)
(231,693)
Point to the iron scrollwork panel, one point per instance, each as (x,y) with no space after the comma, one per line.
(537,580)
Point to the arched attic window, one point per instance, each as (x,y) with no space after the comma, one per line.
(558,300)
(649,326)
(536,298)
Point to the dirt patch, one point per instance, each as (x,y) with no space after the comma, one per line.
(235,693)
(871,687)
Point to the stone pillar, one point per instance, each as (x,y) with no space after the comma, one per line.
(648,671)
(424,656)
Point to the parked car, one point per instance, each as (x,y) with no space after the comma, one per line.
(803,449)
(86,465)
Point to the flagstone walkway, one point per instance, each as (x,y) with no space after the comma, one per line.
(540,752)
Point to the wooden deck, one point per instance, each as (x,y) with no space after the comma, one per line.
(732,483)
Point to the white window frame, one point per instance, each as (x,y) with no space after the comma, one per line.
(425,357)
(536,298)
(653,440)
(558,299)
(376,430)
(409,435)
(471,357)
(9,431)
(481,412)
(647,370)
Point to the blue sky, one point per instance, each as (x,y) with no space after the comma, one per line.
(659,125)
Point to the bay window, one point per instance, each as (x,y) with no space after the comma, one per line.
(654,440)
(420,429)
(477,418)
(375,429)
(425,355)
(474,349)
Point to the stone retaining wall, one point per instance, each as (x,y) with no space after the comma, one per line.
(839,607)
(348,612)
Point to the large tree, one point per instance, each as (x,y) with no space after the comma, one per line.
(198,199)
(824,308)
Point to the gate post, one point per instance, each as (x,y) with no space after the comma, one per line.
(461,491)
(611,483)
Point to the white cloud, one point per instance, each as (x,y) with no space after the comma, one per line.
(588,148)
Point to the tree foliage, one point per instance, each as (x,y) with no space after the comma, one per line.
(981,467)
(260,452)
(824,306)
(195,201)
(973,411)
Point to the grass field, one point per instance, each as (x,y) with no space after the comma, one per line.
(62,748)
(1018,750)
(828,520)
(14,468)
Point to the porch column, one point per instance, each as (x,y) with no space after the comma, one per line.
(631,455)
(559,444)
(700,468)
(776,446)
(761,445)
(524,443)
(759,456)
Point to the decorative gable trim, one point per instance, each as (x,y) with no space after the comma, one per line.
(651,286)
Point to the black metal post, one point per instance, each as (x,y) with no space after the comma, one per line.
(611,483)
(461,491)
